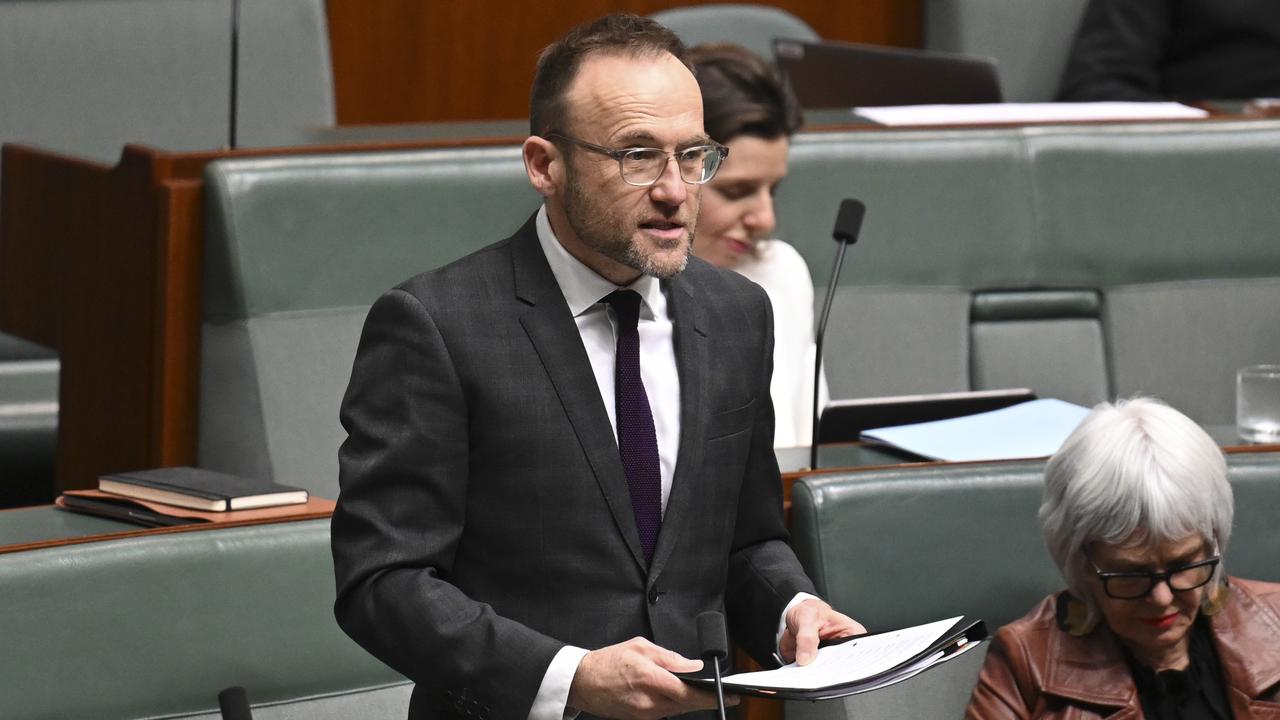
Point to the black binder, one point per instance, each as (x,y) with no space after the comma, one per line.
(966,634)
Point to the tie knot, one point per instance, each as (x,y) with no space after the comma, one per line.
(626,303)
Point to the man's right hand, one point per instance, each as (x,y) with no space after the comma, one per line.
(633,679)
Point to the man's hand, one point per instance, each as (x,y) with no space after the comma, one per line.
(809,622)
(634,679)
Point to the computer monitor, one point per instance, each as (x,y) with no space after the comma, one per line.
(844,420)
(843,75)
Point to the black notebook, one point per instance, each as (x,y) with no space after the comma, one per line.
(121,509)
(200,489)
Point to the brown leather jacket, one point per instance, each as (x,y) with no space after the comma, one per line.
(1036,670)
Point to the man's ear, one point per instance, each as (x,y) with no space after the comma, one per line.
(544,164)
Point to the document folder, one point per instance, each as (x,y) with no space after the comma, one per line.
(859,664)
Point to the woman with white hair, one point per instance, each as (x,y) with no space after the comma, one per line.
(1137,514)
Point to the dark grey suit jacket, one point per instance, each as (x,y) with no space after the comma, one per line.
(484,519)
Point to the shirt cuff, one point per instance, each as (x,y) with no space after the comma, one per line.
(552,700)
(782,623)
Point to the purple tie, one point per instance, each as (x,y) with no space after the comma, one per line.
(637,440)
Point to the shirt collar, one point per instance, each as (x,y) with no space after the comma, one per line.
(583,287)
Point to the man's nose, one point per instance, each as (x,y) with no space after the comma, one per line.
(669,188)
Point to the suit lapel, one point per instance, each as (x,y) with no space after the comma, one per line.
(554,335)
(690,335)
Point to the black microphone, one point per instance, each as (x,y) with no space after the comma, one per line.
(234,704)
(848,223)
(715,647)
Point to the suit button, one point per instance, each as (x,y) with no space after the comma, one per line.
(653,595)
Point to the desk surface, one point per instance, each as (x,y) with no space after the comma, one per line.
(44,523)
(47,526)
(514,131)
(44,526)
(794,461)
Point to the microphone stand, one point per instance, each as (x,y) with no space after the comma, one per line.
(714,645)
(233,107)
(715,663)
(848,223)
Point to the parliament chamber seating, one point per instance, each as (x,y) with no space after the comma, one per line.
(84,78)
(87,77)
(1083,262)
(1045,243)
(154,626)
(1030,40)
(751,26)
(296,250)
(899,547)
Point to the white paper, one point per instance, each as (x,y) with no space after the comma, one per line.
(986,113)
(1027,430)
(849,661)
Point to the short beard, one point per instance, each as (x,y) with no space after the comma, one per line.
(594,228)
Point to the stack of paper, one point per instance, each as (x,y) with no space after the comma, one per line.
(849,666)
(1026,430)
(989,113)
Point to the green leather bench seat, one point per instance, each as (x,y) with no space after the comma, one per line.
(154,627)
(296,250)
(751,26)
(1030,40)
(28,421)
(904,546)
(1177,225)
(1080,261)
(88,77)
(940,222)
(1162,234)
(1048,340)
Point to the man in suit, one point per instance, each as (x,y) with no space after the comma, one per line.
(545,481)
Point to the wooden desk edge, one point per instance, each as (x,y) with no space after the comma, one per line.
(147,532)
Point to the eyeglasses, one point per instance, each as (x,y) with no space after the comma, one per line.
(1136,585)
(643,166)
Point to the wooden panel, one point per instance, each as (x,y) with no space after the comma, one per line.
(79,275)
(176,352)
(103,264)
(415,61)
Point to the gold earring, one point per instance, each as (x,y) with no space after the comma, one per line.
(1216,598)
(1073,616)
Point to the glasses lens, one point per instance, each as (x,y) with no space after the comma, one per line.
(703,166)
(1127,588)
(694,164)
(1131,587)
(1192,577)
(642,166)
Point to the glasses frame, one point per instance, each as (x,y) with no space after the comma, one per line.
(620,155)
(1153,578)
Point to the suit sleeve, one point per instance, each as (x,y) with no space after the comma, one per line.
(999,695)
(764,573)
(400,514)
(1118,51)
